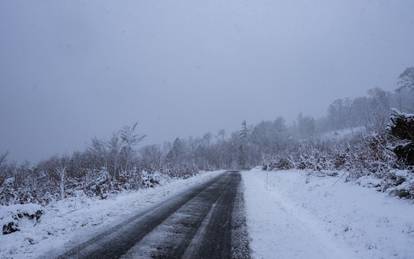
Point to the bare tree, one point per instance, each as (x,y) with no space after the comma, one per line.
(151,157)
(61,170)
(129,139)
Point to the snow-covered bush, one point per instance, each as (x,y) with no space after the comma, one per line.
(279,164)
(374,155)
(401,129)
(13,217)
(399,183)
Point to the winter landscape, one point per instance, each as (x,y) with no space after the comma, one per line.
(207,129)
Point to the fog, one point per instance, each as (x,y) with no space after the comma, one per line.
(71,70)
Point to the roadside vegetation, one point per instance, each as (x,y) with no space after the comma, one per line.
(368,135)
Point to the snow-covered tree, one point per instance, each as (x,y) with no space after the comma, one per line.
(405,90)
(61,170)
(151,158)
(243,145)
(406,79)
(306,126)
(380,109)
(129,140)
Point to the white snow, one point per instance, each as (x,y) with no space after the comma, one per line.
(7,212)
(293,214)
(74,220)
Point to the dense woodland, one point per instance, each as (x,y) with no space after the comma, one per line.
(381,142)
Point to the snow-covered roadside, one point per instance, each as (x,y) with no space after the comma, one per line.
(294,215)
(77,219)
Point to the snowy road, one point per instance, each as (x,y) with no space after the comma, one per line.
(204,221)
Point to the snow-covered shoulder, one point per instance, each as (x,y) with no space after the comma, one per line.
(292,214)
(71,221)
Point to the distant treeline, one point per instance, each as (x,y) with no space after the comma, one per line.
(120,163)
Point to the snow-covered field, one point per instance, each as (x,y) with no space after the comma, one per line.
(294,215)
(74,220)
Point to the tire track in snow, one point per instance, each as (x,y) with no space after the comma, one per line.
(172,229)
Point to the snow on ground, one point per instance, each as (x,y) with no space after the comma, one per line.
(292,214)
(74,220)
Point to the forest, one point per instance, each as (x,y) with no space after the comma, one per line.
(367,135)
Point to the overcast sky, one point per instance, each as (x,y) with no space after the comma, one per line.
(71,70)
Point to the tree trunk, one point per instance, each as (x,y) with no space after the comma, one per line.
(62,172)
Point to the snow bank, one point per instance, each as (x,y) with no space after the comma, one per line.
(7,213)
(71,221)
(291,214)
(15,217)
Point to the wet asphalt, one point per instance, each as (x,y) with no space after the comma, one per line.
(206,221)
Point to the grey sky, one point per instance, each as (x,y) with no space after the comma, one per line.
(71,70)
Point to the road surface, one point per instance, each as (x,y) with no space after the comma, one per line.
(206,221)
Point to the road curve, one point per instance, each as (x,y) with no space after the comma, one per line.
(206,221)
